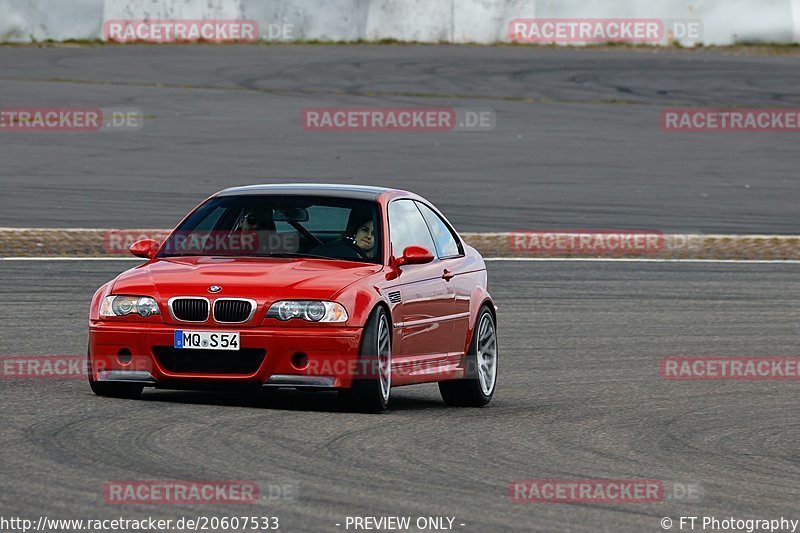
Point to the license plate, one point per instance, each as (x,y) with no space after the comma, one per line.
(206,340)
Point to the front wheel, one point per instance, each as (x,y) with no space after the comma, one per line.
(477,387)
(373,382)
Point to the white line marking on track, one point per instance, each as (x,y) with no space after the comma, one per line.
(488,259)
(637,260)
(71,259)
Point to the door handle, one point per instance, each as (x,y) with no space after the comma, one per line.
(447,275)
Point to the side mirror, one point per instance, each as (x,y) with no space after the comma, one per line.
(414,255)
(146,248)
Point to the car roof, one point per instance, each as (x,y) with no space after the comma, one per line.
(360,192)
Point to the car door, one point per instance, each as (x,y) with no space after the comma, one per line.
(454,271)
(426,298)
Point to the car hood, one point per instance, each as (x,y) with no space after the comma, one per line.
(260,279)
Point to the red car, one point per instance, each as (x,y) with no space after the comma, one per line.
(358,289)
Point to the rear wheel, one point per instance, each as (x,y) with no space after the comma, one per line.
(113,390)
(373,383)
(477,387)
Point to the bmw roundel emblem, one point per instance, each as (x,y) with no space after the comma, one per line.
(214,288)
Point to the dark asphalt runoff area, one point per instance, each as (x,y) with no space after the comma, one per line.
(577,141)
(579,396)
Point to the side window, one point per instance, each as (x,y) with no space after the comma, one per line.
(407,227)
(446,243)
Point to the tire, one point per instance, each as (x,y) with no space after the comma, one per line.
(478,385)
(371,389)
(129,391)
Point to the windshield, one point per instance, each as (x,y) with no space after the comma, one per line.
(280,226)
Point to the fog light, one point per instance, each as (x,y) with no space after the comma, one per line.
(124,356)
(299,361)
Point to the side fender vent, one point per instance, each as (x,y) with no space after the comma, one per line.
(395,297)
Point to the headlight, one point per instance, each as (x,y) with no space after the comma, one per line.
(129,305)
(309,310)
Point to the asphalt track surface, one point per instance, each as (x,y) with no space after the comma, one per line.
(579,397)
(577,143)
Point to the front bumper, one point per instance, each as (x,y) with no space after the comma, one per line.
(125,353)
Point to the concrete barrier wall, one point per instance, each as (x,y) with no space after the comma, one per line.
(43,242)
(459,21)
(38,20)
(172,9)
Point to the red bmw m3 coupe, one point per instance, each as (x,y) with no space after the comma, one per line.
(352,288)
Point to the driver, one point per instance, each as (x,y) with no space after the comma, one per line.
(357,242)
(361,236)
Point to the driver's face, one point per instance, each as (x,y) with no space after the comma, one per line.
(365,240)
